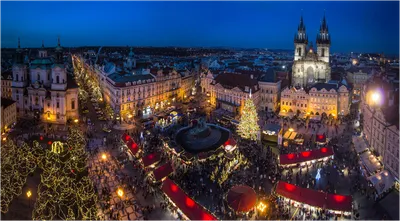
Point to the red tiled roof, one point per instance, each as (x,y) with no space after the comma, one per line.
(151,159)
(293,158)
(132,145)
(188,206)
(314,198)
(163,171)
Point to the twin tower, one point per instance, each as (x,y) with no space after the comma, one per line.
(323,41)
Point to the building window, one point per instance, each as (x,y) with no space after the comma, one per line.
(58,104)
(17,77)
(73,105)
(38,77)
(48,104)
(57,79)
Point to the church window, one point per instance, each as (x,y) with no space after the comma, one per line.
(305,105)
(38,77)
(323,52)
(17,97)
(73,105)
(57,79)
(17,78)
(48,104)
(48,114)
(48,76)
(36,101)
(58,104)
(58,115)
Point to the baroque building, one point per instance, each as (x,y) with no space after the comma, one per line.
(310,66)
(43,89)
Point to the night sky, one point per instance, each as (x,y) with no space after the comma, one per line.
(354,26)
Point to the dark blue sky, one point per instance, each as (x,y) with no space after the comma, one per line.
(354,26)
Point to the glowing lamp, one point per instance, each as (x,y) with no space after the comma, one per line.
(174,188)
(4,138)
(306,153)
(189,202)
(375,97)
(41,137)
(76,120)
(49,143)
(29,194)
(290,187)
(324,149)
(104,156)
(338,198)
(290,156)
(291,129)
(120,192)
(261,206)
(207,216)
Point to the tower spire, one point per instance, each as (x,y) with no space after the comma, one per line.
(59,40)
(42,44)
(19,43)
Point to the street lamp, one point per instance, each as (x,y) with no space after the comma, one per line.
(104,156)
(291,129)
(375,97)
(76,120)
(29,194)
(120,192)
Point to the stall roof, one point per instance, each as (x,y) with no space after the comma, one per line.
(321,138)
(292,135)
(382,181)
(133,147)
(294,158)
(151,159)
(272,127)
(188,206)
(370,162)
(359,144)
(314,197)
(163,171)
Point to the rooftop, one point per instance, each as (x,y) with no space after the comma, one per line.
(232,80)
(6,102)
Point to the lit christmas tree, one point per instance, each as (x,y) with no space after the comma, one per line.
(248,127)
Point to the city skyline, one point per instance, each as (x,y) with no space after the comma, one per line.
(201,24)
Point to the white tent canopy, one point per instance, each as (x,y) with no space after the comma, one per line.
(359,144)
(370,162)
(382,181)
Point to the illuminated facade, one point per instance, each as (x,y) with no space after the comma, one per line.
(6,81)
(8,113)
(310,67)
(44,90)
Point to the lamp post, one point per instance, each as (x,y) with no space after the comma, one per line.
(29,194)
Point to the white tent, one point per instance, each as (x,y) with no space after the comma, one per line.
(370,162)
(382,181)
(359,144)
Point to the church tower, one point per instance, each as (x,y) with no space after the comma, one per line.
(323,41)
(58,72)
(42,51)
(131,61)
(300,41)
(20,79)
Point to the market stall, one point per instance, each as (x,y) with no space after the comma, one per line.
(241,198)
(162,172)
(320,139)
(306,157)
(313,198)
(132,147)
(382,182)
(370,163)
(272,134)
(359,144)
(151,159)
(189,208)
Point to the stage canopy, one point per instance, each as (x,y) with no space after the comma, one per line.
(314,198)
(130,143)
(359,144)
(163,171)
(382,181)
(294,158)
(151,159)
(370,162)
(242,198)
(189,207)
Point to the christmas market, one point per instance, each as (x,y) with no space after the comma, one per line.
(306,157)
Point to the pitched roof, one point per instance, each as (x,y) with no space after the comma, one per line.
(231,80)
(6,75)
(328,87)
(6,102)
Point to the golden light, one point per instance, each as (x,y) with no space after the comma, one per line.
(76,120)
(101,99)
(120,192)
(104,156)
(29,194)
(261,206)
(48,118)
(169,103)
(208,101)
(291,129)
(334,115)
(375,97)
(4,138)
(308,113)
(185,96)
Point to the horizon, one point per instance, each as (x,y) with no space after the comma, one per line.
(159,24)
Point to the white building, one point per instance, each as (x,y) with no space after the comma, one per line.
(44,90)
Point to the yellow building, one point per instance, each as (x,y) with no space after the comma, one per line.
(8,113)
(331,99)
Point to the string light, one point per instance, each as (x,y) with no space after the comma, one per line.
(248,127)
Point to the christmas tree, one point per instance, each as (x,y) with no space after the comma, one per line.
(248,127)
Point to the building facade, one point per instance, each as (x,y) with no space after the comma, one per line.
(6,81)
(43,89)
(8,113)
(229,91)
(309,66)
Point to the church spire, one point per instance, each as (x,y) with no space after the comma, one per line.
(42,44)
(58,41)
(323,36)
(19,43)
(301,36)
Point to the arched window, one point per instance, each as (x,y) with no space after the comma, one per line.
(17,77)
(323,52)
(58,79)
(38,77)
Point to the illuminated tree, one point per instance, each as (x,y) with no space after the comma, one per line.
(248,127)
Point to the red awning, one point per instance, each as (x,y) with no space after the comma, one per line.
(188,206)
(314,198)
(242,198)
(125,137)
(230,141)
(305,156)
(163,171)
(151,159)
(339,202)
(133,147)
